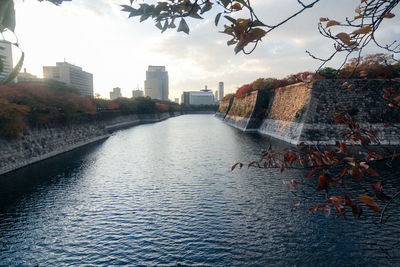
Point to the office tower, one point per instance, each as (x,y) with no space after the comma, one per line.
(198,98)
(221,90)
(6,59)
(72,76)
(156,83)
(137,93)
(116,93)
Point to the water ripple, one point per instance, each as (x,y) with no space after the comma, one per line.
(163,194)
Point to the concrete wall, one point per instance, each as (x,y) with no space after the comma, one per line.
(303,112)
(39,144)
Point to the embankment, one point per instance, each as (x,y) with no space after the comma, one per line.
(304,112)
(37,144)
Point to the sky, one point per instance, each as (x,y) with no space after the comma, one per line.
(97,36)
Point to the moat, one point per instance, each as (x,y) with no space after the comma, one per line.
(164,194)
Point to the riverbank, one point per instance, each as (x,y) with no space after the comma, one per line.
(42,143)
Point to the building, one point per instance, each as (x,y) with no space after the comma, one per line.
(176,100)
(116,93)
(156,83)
(72,76)
(221,90)
(6,60)
(27,77)
(216,96)
(137,93)
(202,97)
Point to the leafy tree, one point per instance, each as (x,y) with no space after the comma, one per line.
(328,73)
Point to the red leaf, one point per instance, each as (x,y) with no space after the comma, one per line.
(251,164)
(235,165)
(370,202)
(311,173)
(343,172)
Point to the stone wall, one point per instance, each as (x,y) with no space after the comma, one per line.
(224,107)
(303,112)
(247,113)
(45,142)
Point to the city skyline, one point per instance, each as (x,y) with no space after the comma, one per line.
(97,36)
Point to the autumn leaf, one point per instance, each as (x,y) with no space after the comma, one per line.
(311,173)
(370,202)
(323,19)
(235,165)
(389,15)
(363,30)
(332,23)
(236,7)
(251,164)
(257,33)
(344,37)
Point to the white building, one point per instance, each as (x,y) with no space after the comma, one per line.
(6,60)
(221,91)
(156,84)
(27,77)
(198,98)
(137,93)
(116,93)
(72,76)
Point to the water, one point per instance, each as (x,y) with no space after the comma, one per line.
(164,194)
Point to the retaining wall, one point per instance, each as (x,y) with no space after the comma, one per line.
(304,112)
(45,142)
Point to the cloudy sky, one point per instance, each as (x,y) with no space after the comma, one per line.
(97,36)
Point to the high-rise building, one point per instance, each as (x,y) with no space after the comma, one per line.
(221,91)
(216,95)
(156,83)
(72,76)
(6,59)
(176,100)
(116,93)
(137,93)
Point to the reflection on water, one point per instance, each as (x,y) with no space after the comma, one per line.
(164,194)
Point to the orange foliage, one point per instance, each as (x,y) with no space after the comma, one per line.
(36,103)
(370,66)
(162,107)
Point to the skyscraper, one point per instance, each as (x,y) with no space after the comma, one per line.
(72,76)
(221,90)
(137,93)
(6,59)
(116,93)
(156,83)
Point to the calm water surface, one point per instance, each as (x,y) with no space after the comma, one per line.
(164,194)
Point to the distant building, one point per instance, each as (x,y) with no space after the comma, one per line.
(116,93)
(176,100)
(221,90)
(198,98)
(137,93)
(6,59)
(156,83)
(72,76)
(216,96)
(27,77)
